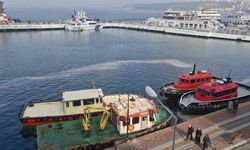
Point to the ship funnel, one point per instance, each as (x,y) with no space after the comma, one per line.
(193,72)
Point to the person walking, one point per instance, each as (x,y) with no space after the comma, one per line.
(230,106)
(235,106)
(198,135)
(206,141)
(190,132)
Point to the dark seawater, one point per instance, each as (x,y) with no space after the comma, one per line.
(40,65)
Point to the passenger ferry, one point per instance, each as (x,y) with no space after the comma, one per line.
(186,82)
(123,116)
(213,96)
(80,21)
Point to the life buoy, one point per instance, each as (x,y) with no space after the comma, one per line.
(122,118)
(131,127)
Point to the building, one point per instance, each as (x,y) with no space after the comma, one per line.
(3,16)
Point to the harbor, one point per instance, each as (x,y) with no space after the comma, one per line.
(82,80)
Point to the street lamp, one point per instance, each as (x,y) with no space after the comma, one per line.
(153,94)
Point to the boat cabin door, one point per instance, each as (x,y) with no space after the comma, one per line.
(144,122)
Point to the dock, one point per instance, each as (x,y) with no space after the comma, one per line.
(31,27)
(226,130)
(178,31)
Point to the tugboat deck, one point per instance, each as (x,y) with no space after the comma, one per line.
(188,97)
(69,134)
(44,109)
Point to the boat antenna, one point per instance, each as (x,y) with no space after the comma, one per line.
(93,82)
(193,72)
(228,77)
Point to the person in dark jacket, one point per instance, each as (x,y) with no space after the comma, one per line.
(198,135)
(206,142)
(190,132)
(235,106)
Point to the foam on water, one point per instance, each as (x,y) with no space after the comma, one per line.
(108,66)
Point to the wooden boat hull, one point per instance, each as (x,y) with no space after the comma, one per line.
(211,106)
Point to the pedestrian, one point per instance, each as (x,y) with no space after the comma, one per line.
(230,106)
(235,106)
(206,141)
(190,132)
(198,135)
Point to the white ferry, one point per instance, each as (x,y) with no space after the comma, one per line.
(70,107)
(80,21)
(193,20)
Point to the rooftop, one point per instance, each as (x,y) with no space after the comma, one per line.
(82,94)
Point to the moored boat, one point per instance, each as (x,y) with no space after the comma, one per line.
(80,21)
(130,116)
(213,96)
(186,82)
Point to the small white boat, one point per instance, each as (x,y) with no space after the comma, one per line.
(80,21)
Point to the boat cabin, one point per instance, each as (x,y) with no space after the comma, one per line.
(133,115)
(190,81)
(218,90)
(74,102)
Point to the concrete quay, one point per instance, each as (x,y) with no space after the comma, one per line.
(176,31)
(31,27)
(226,131)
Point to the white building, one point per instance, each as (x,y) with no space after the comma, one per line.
(3,16)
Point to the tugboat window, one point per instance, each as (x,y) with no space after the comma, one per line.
(145,118)
(88,101)
(192,81)
(151,118)
(67,104)
(97,100)
(77,103)
(198,80)
(135,120)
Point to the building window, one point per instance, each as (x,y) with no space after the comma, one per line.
(88,101)
(77,103)
(67,104)
(135,120)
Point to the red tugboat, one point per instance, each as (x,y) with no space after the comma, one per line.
(187,82)
(213,96)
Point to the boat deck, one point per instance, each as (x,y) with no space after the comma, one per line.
(43,109)
(188,97)
(70,134)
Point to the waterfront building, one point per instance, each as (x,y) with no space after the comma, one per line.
(3,16)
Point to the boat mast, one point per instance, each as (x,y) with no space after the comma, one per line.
(193,72)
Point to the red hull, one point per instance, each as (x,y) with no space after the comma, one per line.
(48,120)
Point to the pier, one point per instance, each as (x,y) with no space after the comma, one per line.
(178,31)
(226,131)
(31,27)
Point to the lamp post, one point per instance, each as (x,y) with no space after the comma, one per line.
(153,94)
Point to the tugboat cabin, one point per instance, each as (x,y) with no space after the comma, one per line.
(69,108)
(190,81)
(221,89)
(133,115)
(75,101)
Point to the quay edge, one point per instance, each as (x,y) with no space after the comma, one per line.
(181,32)
(31,27)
